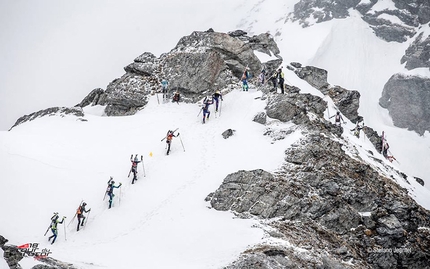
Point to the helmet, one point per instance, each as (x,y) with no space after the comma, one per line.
(135,158)
(217,91)
(112,182)
(84,204)
(338,113)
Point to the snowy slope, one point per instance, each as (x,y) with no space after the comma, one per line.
(162,221)
(356,59)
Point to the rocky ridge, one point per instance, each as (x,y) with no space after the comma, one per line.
(326,207)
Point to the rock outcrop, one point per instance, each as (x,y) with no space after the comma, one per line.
(59,111)
(347,101)
(330,210)
(418,53)
(407,99)
(199,64)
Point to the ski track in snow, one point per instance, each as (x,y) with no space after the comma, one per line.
(71,160)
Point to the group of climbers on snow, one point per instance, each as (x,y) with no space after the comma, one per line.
(216,98)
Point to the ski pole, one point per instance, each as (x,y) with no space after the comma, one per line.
(220,107)
(200,111)
(86,218)
(65,235)
(158,100)
(181,143)
(143,166)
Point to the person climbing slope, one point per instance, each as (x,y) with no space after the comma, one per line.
(54,227)
(216,97)
(109,191)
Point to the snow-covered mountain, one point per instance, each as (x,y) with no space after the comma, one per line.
(53,162)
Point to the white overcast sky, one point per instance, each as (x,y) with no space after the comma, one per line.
(54,52)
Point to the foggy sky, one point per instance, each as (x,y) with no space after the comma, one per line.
(53,53)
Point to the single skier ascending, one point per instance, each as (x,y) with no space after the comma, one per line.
(169,136)
(109,191)
(80,214)
(216,97)
(134,163)
(205,108)
(337,118)
(54,227)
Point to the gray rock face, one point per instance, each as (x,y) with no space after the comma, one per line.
(419,8)
(227,133)
(315,202)
(199,64)
(407,99)
(347,101)
(418,53)
(261,118)
(61,111)
(322,10)
(294,107)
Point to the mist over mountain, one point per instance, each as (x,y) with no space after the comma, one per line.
(268,180)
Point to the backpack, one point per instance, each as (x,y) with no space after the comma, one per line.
(79,211)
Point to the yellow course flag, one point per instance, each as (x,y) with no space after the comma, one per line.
(150,154)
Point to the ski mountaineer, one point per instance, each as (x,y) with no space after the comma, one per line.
(164,84)
(281,79)
(206,103)
(357,129)
(134,163)
(337,118)
(176,97)
(274,79)
(169,137)
(80,213)
(262,76)
(109,190)
(54,229)
(385,148)
(244,79)
(216,96)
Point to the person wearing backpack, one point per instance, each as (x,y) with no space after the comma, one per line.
(134,163)
(245,77)
(206,103)
(109,191)
(176,97)
(80,213)
(337,118)
(274,80)
(164,85)
(216,96)
(54,228)
(169,137)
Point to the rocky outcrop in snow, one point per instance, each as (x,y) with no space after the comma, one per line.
(407,99)
(347,101)
(59,111)
(418,53)
(329,210)
(199,64)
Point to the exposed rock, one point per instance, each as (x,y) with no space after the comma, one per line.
(61,111)
(347,101)
(316,200)
(92,98)
(261,118)
(3,241)
(419,8)
(322,10)
(418,53)
(315,76)
(227,133)
(393,32)
(12,256)
(419,180)
(294,107)
(407,99)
